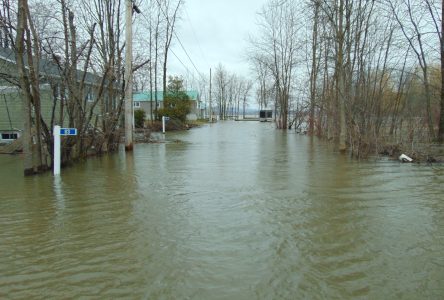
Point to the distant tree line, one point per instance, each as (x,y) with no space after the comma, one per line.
(230,93)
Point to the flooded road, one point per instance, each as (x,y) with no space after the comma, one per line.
(227,211)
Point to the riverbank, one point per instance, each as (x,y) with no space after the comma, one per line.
(145,135)
(420,153)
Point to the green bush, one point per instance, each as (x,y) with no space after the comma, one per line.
(175,109)
(177,104)
(139,118)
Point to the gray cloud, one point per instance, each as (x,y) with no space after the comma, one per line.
(214,32)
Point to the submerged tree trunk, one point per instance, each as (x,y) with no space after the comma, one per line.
(24,84)
(341,72)
(32,43)
(314,69)
(441,114)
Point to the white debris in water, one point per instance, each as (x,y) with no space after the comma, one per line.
(405,158)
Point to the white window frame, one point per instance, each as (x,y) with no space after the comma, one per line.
(89,96)
(11,136)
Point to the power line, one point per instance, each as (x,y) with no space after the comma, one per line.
(187,54)
(195,36)
(175,34)
(186,68)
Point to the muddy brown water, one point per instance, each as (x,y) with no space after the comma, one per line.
(228,211)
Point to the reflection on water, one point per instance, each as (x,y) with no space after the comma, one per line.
(227,211)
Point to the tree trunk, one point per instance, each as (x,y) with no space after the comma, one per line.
(24,84)
(313,74)
(441,114)
(168,38)
(33,64)
(341,79)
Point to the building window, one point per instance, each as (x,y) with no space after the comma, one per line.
(58,92)
(9,136)
(136,104)
(89,97)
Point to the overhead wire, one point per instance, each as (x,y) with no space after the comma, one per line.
(195,36)
(175,55)
(180,42)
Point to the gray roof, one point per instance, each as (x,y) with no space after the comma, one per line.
(47,67)
(148,96)
(7,54)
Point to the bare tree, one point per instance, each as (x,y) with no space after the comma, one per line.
(7,20)
(170,11)
(221,80)
(433,9)
(263,77)
(22,27)
(246,88)
(277,48)
(314,66)
(27,42)
(80,83)
(357,67)
(412,31)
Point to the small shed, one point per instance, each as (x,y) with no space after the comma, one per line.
(265,115)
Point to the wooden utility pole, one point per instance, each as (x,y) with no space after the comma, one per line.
(128,76)
(211,112)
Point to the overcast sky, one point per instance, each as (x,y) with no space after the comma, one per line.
(213,32)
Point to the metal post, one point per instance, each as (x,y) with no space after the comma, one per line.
(210,119)
(128,76)
(57,152)
(163,124)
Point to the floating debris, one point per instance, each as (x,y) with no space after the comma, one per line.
(405,158)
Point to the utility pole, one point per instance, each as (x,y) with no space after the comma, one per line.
(129,109)
(441,114)
(128,76)
(211,113)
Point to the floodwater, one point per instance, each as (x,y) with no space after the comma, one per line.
(234,210)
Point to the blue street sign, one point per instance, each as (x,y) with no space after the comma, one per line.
(167,118)
(68,131)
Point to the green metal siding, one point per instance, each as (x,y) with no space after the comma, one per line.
(11,111)
(11,98)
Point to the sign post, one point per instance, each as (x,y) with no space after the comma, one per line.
(57,151)
(164,119)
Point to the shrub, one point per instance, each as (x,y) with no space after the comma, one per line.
(139,118)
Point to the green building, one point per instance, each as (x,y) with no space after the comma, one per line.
(146,101)
(51,95)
